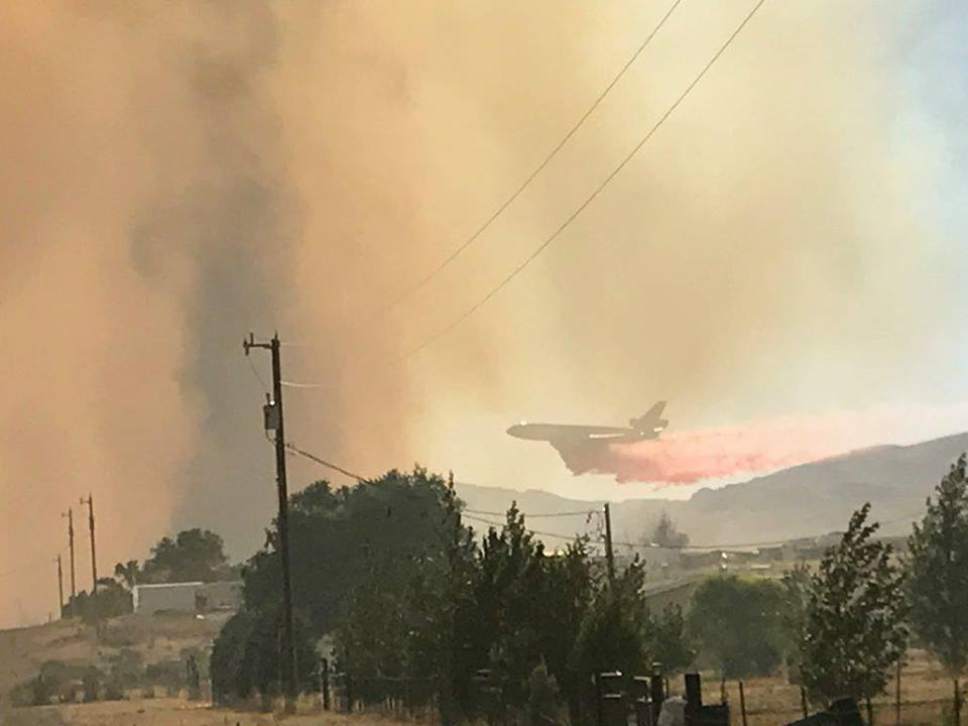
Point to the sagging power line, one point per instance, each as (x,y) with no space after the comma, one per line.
(582,513)
(591,197)
(322,462)
(446,262)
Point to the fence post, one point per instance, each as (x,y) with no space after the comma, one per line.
(643,702)
(897,695)
(803,701)
(742,702)
(693,698)
(599,719)
(957,703)
(658,693)
(324,682)
(348,687)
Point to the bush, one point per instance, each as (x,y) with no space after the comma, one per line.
(738,625)
(91,682)
(168,674)
(54,682)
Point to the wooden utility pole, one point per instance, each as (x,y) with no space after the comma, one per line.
(70,541)
(274,422)
(60,588)
(94,604)
(609,553)
(90,522)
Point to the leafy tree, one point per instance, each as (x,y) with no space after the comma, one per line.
(665,534)
(854,627)
(112,600)
(737,625)
(194,555)
(938,583)
(128,573)
(390,571)
(339,538)
(668,642)
(247,656)
(511,581)
(378,564)
(614,633)
(796,585)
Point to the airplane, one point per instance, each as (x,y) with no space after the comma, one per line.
(582,446)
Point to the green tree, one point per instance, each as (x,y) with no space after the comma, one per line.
(668,642)
(938,582)
(128,573)
(194,555)
(796,584)
(854,628)
(247,656)
(112,600)
(737,625)
(378,565)
(614,633)
(510,588)
(339,538)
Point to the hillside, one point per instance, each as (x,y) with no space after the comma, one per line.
(157,639)
(804,500)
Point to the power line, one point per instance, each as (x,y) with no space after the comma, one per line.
(29,565)
(322,462)
(258,376)
(477,515)
(582,513)
(597,191)
(532,531)
(538,169)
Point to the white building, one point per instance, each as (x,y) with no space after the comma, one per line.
(187,597)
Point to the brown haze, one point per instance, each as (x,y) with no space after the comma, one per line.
(176,174)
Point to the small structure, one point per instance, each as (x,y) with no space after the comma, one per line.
(187,597)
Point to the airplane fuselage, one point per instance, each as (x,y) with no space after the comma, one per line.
(569,433)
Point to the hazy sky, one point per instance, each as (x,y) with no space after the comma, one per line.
(783,261)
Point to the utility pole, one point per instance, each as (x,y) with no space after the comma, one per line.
(90,522)
(609,553)
(60,588)
(274,422)
(70,540)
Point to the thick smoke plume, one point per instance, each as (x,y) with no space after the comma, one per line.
(177,174)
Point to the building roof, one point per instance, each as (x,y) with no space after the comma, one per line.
(168,585)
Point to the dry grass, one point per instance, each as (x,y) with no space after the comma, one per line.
(22,651)
(170,712)
(925,694)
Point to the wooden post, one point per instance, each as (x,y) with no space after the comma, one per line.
(870,711)
(598,700)
(897,695)
(957,703)
(803,701)
(324,683)
(658,694)
(742,702)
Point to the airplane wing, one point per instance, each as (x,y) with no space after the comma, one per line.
(576,454)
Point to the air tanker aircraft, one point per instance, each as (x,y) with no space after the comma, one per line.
(578,445)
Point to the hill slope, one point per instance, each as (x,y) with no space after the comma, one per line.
(804,500)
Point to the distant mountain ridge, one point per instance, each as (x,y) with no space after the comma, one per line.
(800,501)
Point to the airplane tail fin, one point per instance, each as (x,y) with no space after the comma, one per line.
(651,420)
